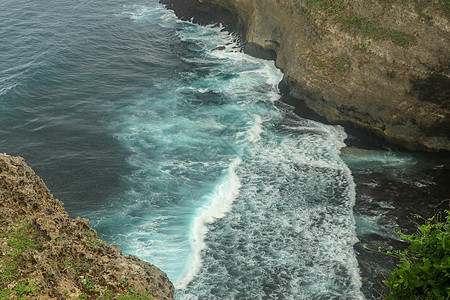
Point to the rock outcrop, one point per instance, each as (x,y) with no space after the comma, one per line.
(379,64)
(44,254)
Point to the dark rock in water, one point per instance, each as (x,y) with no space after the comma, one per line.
(393,199)
(58,257)
(203,12)
(218,48)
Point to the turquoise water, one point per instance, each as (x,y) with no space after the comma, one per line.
(174,144)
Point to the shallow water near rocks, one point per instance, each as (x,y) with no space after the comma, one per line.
(175,145)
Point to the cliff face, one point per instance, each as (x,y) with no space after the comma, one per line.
(379,64)
(44,254)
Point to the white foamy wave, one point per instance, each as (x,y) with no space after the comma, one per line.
(352,262)
(292,225)
(219,204)
(254,134)
(293,222)
(141,13)
(376,159)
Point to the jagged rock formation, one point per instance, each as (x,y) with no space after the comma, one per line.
(378,64)
(44,254)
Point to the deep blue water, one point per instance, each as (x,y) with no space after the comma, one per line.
(178,151)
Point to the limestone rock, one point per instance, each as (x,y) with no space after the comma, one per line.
(44,254)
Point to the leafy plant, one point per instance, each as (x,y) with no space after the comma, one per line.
(141,296)
(122,282)
(318,62)
(87,283)
(5,292)
(22,288)
(95,242)
(21,240)
(107,295)
(424,271)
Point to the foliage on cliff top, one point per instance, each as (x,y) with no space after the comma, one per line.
(343,13)
(424,271)
(373,30)
(425,9)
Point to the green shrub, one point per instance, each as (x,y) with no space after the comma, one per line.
(424,271)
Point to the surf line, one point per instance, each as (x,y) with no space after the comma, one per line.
(221,201)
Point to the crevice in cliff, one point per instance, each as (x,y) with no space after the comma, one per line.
(434,89)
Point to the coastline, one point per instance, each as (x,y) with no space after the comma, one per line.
(48,255)
(106,149)
(350,72)
(389,199)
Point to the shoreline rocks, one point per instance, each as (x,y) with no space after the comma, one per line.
(381,66)
(47,255)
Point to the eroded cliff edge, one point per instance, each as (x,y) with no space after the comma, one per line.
(379,64)
(44,254)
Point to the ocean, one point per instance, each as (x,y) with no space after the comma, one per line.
(176,146)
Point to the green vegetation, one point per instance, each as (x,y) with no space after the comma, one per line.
(22,288)
(91,289)
(19,241)
(319,63)
(331,7)
(421,6)
(339,13)
(88,284)
(340,65)
(370,29)
(361,47)
(136,297)
(424,271)
(328,7)
(95,242)
(130,295)
(21,238)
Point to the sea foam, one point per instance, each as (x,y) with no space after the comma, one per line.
(220,202)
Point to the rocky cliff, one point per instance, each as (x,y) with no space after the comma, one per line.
(379,64)
(44,254)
